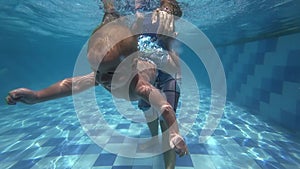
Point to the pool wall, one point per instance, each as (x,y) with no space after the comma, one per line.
(264,76)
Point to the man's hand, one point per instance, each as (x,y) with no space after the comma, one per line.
(23,95)
(165,16)
(166,23)
(171,7)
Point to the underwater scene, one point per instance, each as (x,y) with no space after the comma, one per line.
(211,84)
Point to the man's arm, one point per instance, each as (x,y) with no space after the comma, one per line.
(60,89)
(173,64)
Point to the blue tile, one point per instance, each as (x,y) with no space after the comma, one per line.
(95,132)
(230,127)
(260,128)
(71,127)
(281,156)
(269,165)
(105,160)
(204,132)
(145,133)
(246,142)
(293,58)
(292,74)
(123,126)
(259,58)
(40,119)
(185,161)
(5,155)
(68,150)
(277,86)
(286,145)
(268,45)
(121,167)
(190,139)
(116,139)
(17,154)
(53,123)
(219,132)
(266,144)
(94,150)
(252,103)
(142,167)
(197,149)
(32,136)
(239,48)
(261,95)
(265,96)
(25,164)
(249,69)
(21,130)
(278,72)
(272,85)
(298,106)
(288,120)
(241,78)
(266,84)
(215,150)
(54,142)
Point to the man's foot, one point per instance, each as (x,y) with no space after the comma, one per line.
(178,143)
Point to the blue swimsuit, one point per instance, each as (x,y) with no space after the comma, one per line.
(153,51)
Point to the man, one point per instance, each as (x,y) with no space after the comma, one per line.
(158,49)
(115,66)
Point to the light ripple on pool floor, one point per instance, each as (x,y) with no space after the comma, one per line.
(50,134)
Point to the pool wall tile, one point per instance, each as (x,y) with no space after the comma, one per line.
(264,76)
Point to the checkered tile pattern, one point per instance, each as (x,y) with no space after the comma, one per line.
(264,76)
(49,135)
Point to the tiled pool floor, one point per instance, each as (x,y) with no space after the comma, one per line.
(49,135)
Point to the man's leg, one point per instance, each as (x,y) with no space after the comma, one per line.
(172,98)
(170,155)
(150,116)
(149,93)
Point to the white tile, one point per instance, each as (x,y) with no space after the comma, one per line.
(243,161)
(143,161)
(123,149)
(56,162)
(7,164)
(39,153)
(158,161)
(287,166)
(220,162)
(202,161)
(259,154)
(176,167)
(102,167)
(20,145)
(85,161)
(123,161)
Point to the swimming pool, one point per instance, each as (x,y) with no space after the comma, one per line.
(257,43)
